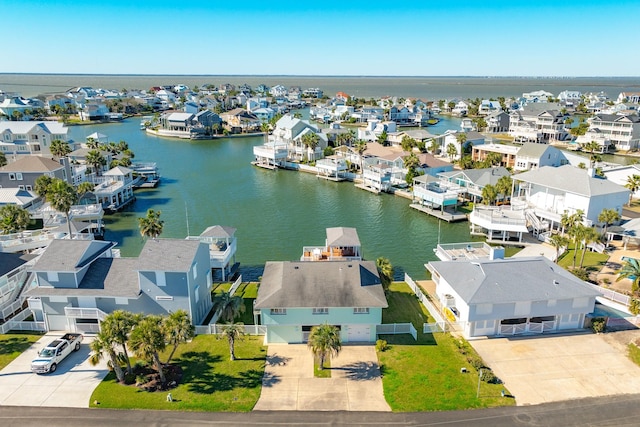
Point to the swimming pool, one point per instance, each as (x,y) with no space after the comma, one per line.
(601,310)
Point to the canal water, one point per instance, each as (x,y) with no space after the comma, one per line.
(276,213)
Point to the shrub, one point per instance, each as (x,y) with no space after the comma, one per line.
(476,362)
(634,306)
(598,324)
(489,377)
(606,281)
(130,378)
(381,345)
(580,273)
(141,379)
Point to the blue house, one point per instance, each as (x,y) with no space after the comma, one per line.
(294,296)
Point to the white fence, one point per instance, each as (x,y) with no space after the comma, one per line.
(17,323)
(235,286)
(397,328)
(440,324)
(217,329)
(613,295)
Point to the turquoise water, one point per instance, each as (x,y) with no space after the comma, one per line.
(601,310)
(276,213)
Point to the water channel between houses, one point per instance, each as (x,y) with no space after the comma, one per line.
(276,213)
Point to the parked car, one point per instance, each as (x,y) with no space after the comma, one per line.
(54,353)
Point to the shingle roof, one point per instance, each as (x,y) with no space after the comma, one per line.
(571,180)
(32,164)
(10,261)
(292,284)
(175,255)
(480,177)
(492,281)
(218,231)
(70,255)
(342,236)
(531,149)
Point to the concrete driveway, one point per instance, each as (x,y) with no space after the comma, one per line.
(552,368)
(289,385)
(70,385)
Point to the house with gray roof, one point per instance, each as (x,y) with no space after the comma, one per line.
(294,296)
(30,137)
(483,297)
(534,156)
(78,282)
(538,122)
(550,192)
(24,171)
(472,181)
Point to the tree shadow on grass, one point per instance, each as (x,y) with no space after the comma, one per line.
(14,345)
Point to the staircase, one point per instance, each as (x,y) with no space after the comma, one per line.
(534,221)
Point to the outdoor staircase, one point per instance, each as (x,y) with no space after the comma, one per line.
(534,221)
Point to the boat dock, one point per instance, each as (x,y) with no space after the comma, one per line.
(445,216)
(330,178)
(370,189)
(265,165)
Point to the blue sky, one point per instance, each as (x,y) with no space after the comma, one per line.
(426,38)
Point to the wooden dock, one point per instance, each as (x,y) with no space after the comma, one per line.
(371,190)
(330,178)
(264,165)
(445,216)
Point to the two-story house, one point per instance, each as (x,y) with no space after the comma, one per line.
(23,172)
(30,137)
(623,132)
(78,282)
(538,122)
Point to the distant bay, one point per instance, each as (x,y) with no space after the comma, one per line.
(428,88)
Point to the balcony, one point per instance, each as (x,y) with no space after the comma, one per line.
(323,253)
(499,219)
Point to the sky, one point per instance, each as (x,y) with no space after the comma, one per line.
(348,37)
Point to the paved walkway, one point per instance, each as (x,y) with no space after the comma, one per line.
(552,368)
(609,272)
(70,386)
(289,384)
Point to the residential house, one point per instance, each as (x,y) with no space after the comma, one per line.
(534,156)
(434,193)
(26,199)
(461,109)
(452,137)
(278,90)
(622,131)
(375,128)
(570,98)
(30,137)
(538,123)
(93,111)
(507,153)
(341,244)
(488,107)
(473,181)
(312,93)
(631,97)
(223,245)
(552,191)
(497,122)
(537,96)
(114,189)
(174,121)
(239,120)
(482,296)
(16,107)
(191,107)
(333,167)
(290,131)
(24,172)
(294,296)
(79,282)
(620,175)
(13,274)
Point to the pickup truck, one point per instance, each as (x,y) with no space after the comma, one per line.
(50,356)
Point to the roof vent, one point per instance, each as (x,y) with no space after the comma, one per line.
(555,282)
(295,267)
(349,265)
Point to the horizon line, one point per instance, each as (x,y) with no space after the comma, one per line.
(317,75)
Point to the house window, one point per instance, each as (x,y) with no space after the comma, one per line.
(19,176)
(20,187)
(278,311)
(361,310)
(28,187)
(52,276)
(195,270)
(209,279)
(321,310)
(12,176)
(197,292)
(161,280)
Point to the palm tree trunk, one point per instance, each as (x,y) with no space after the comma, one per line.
(232,347)
(116,366)
(126,358)
(321,361)
(584,250)
(175,346)
(158,363)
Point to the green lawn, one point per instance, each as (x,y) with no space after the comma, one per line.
(322,373)
(248,291)
(634,353)
(425,375)
(13,344)
(593,261)
(211,382)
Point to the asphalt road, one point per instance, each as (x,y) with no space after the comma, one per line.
(619,411)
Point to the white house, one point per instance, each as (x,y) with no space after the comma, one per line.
(30,137)
(552,191)
(512,296)
(622,131)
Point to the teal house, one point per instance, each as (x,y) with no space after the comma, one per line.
(294,296)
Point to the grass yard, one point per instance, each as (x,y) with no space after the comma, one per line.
(322,373)
(12,345)
(425,375)
(248,291)
(634,353)
(593,261)
(210,382)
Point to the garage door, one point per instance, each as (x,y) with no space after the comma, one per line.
(57,322)
(359,333)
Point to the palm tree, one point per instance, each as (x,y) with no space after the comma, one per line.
(311,141)
(361,147)
(461,138)
(228,306)
(233,332)
(59,148)
(558,241)
(568,221)
(592,147)
(631,270)
(151,225)
(633,184)
(385,270)
(102,344)
(84,188)
(147,340)
(324,341)
(382,138)
(589,235)
(577,233)
(61,195)
(3,160)
(492,159)
(42,184)
(504,185)
(178,329)
(452,151)
(608,217)
(96,160)
(118,326)
(434,146)
(13,218)
(489,194)
(92,143)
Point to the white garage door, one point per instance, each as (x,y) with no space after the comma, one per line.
(359,333)
(57,322)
